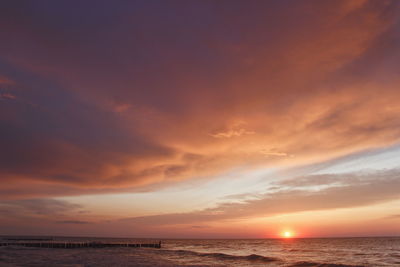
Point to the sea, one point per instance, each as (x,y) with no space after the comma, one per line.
(294,252)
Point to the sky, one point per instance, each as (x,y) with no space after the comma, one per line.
(200,119)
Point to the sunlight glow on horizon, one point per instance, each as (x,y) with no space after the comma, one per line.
(287,234)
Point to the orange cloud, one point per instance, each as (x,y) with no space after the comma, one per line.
(128,107)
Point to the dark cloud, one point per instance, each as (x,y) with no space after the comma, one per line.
(59,139)
(38,207)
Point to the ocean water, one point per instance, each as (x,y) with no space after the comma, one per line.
(323,252)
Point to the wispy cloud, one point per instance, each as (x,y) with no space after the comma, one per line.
(72,222)
(394,217)
(356,190)
(237,129)
(7,96)
(6,81)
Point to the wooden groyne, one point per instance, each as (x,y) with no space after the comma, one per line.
(28,239)
(60,244)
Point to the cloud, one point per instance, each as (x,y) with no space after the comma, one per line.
(235,130)
(318,180)
(232,133)
(5,81)
(199,226)
(72,222)
(38,207)
(7,96)
(128,98)
(355,190)
(274,153)
(394,216)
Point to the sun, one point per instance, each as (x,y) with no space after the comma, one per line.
(287,234)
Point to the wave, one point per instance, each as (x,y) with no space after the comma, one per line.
(317,264)
(223,256)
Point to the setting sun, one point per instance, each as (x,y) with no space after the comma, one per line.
(287,234)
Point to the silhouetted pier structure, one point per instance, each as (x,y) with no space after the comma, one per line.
(60,244)
(28,239)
